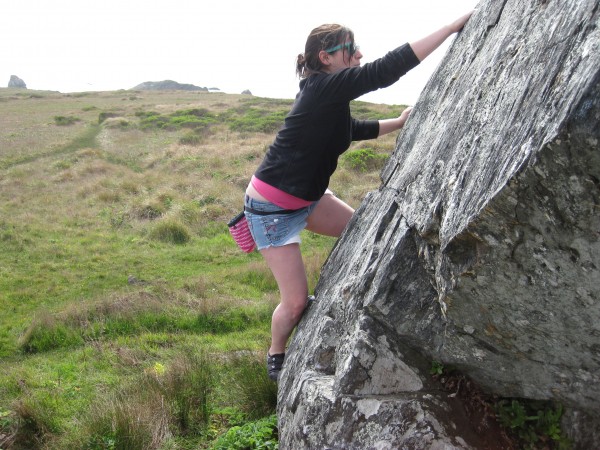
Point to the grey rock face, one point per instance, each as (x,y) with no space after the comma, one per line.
(481,249)
(16,82)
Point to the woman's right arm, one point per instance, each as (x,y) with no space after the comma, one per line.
(424,47)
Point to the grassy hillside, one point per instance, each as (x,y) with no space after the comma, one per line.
(129,318)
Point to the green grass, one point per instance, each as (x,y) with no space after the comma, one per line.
(122,294)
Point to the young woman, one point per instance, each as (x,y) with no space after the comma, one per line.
(288,192)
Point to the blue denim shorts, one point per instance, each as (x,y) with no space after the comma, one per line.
(275,230)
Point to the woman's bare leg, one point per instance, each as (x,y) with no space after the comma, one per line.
(329,218)
(288,268)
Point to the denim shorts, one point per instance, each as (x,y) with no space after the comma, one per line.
(275,230)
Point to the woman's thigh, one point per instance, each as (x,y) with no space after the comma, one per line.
(330,216)
(288,268)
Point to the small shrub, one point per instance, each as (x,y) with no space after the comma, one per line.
(106,115)
(196,118)
(364,159)
(262,434)
(257,121)
(117,123)
(171,232)
(191,118)
(533,422)
(151,121)
(437,368)
(65,121)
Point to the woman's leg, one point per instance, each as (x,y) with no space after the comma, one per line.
(288,268)
(330,217)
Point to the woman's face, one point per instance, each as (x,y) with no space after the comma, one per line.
(342,56)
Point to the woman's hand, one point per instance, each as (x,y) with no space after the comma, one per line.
(404,116)
(459,23)
(388,125)
(423,47)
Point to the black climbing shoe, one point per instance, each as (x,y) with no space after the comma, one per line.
(274,365)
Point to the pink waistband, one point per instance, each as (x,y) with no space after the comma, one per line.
(277,196)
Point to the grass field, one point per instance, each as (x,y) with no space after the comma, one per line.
(129,318)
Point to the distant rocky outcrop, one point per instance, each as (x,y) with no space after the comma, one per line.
(16,82)
(247,92)
(480,251)
(167,85)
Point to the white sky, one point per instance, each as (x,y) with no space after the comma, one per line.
(100,45)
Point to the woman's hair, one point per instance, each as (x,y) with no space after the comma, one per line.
(321,38)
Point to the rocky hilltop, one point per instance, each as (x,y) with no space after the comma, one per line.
(480,250)
(167,85)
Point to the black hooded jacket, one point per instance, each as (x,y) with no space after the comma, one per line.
(319,127)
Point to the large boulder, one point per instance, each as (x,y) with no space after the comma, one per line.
(480,250)
(16,82)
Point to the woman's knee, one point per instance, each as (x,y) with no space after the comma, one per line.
(295,308)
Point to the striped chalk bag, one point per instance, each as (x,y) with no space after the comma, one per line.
(238,227)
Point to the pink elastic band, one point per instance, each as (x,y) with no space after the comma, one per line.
(277,196)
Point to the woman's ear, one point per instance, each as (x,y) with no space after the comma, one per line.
(324,57)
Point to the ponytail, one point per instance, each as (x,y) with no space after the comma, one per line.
(320,38)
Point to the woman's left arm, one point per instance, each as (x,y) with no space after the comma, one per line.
(388,125)
(425,46)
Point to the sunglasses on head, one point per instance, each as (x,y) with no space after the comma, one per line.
(351,47)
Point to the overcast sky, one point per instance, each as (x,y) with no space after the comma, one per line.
(82,45)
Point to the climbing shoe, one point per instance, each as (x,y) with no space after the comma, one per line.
(274,365)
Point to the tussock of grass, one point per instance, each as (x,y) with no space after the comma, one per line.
(171,231)
(149,210)
(65,120)
(165,401)
(36,421)
(249,383)
(130,420)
